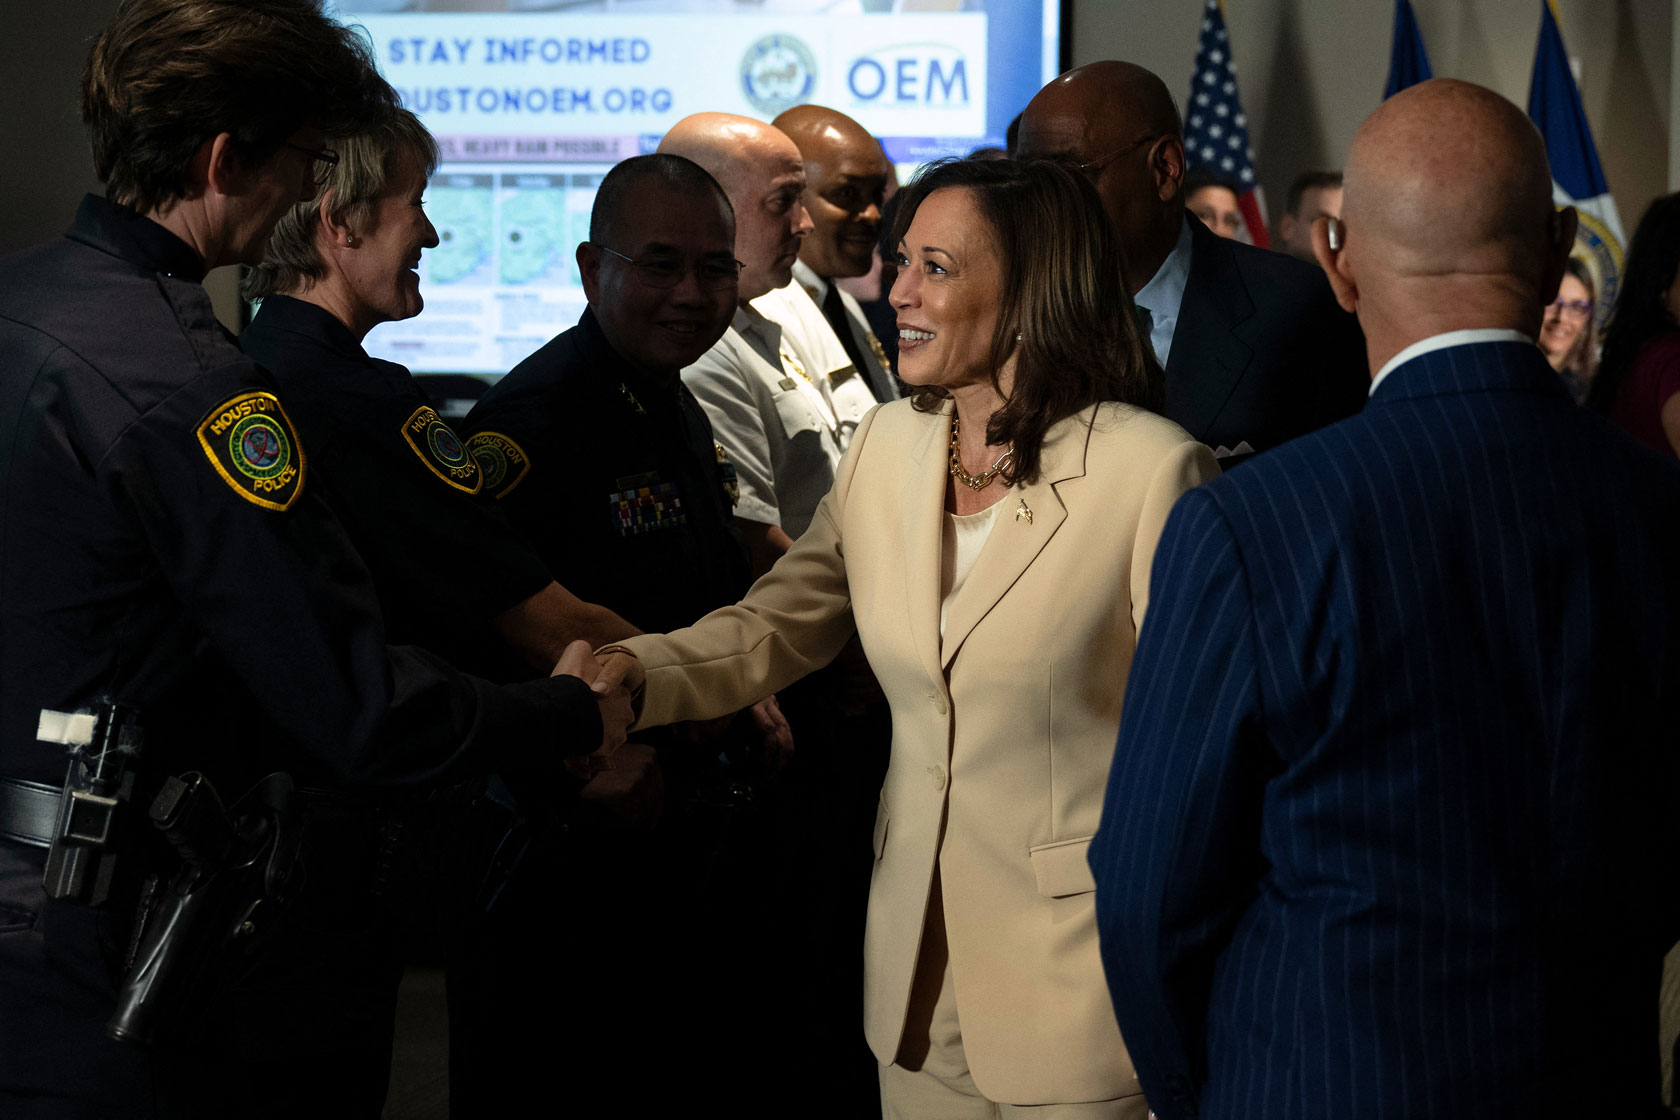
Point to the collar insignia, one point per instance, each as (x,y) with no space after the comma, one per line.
(879,350)
(726,475)
(624,390)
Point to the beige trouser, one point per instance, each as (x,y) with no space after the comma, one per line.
(930,1078)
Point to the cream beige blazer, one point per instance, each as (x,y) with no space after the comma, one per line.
(1002,732)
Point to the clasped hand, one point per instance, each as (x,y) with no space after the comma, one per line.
(622,670)
(626,781)
(612,698)
(616,669)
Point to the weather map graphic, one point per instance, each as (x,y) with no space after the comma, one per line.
(533,101)
(534,245)
(462,207)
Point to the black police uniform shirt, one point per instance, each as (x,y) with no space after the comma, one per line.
(614,475)
(444,560)
(162,541)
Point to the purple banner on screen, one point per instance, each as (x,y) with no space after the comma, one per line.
(540,148)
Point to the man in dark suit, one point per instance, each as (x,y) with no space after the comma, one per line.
(1255,350)
(1395,796)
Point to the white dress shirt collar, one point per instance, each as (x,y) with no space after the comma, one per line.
(762,333)
(1164,294)
(1442,341)
(815,286)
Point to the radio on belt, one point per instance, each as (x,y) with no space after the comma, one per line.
(104,742)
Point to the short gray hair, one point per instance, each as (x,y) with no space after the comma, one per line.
(366,162)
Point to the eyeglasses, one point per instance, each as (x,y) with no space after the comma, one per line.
(667,272)
(1093,169)
(1572,308)
(323,160)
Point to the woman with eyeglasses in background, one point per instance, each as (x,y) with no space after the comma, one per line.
(1638,382)
(1567,335)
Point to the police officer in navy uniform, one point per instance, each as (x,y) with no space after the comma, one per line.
(450,573)
(592,446)
(600,455)
(163,544)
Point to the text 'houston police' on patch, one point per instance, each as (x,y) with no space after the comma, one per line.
(253,446)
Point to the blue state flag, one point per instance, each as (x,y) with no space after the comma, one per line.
(1554,105)
(1408,62)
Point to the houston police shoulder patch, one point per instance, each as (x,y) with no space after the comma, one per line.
(503,461)
(252,444)
(442,450)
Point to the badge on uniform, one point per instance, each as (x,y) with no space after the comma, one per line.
(726,475)
(252,444)
(503,461)
(645,509)
(442,450)
(789,362)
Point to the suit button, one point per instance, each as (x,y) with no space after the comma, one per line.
(937,773)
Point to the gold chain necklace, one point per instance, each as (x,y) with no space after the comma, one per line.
(984,478)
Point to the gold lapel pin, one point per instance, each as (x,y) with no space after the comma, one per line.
(1023,513)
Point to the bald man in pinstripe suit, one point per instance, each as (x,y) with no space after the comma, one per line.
(1395,796)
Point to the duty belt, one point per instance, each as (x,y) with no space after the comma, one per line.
(28,812)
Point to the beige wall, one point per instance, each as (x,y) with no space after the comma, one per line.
(46,168)
(1310,70)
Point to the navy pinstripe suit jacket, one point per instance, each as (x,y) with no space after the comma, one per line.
(1392,818)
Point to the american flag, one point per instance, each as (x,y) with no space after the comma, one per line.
(1215,127)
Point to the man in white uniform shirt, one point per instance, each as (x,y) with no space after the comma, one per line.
(811,340)
(765,388)
(845,185)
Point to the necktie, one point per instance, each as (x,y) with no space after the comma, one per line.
(1145,322)
(835,312)
(1157,376)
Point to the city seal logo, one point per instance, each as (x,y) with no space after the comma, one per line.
(1596,247)
(252,445)
(503,461)
(777,73)
(441,450)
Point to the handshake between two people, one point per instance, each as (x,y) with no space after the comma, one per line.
(621,669)
(624,777)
